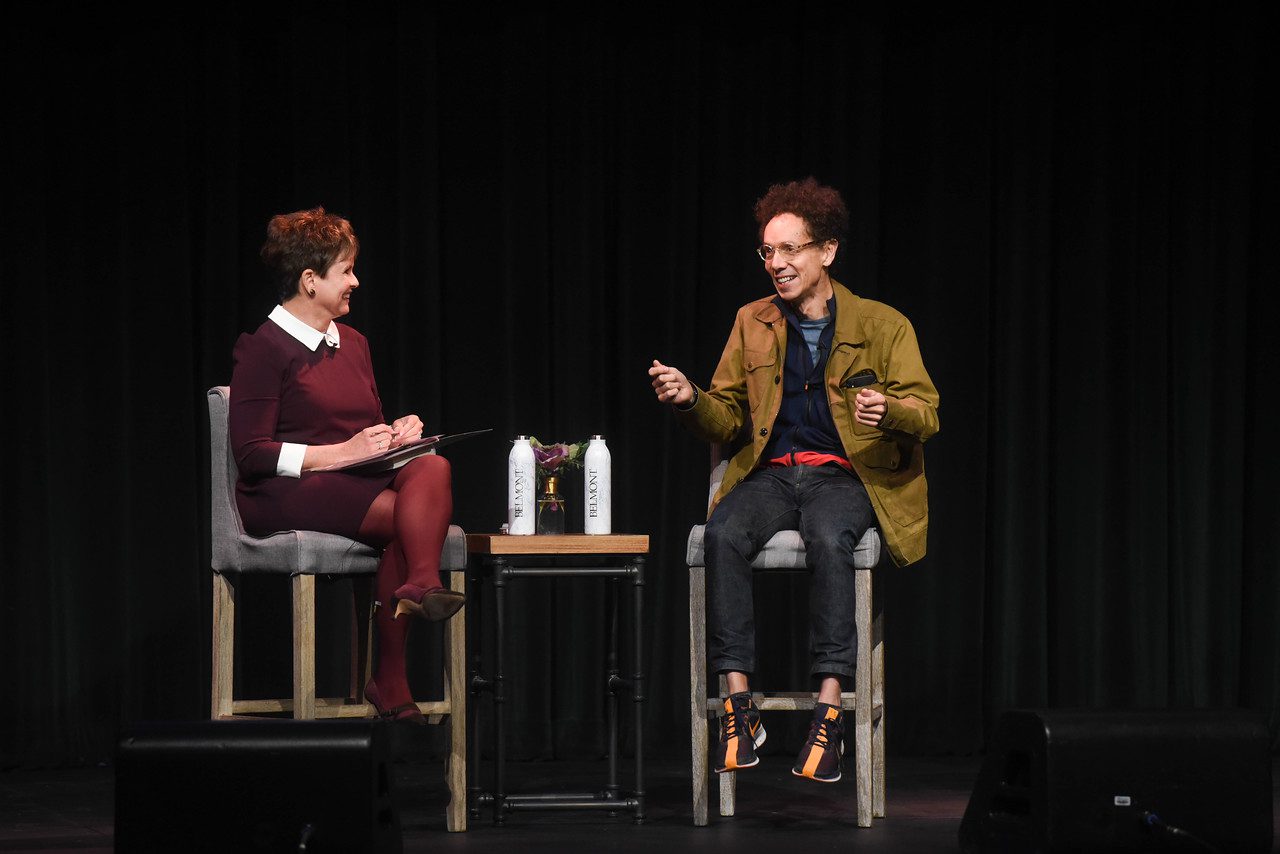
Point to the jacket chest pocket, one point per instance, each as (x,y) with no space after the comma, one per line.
(762,375)
(857,369)
(860,430)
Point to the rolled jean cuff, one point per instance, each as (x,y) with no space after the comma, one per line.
(722,666)
(832,668)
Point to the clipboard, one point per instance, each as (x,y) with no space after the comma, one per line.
(394,458)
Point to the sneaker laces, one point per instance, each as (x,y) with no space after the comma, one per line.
(735,721)
(820,732)
(729,725)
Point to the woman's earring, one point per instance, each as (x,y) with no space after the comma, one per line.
(312,292)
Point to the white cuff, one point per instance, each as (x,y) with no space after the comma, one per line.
(290,462)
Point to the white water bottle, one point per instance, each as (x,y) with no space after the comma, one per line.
(597,489)
(521,499)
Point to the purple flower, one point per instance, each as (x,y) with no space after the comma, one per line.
(551,456)
(561,455)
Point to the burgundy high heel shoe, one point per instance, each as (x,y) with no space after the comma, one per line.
(407,713)
(434,604)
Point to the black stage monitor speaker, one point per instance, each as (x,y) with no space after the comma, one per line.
(255,785)
(1117,781)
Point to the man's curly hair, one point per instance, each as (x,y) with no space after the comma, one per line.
(820,207)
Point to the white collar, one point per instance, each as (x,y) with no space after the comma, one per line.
(309,337)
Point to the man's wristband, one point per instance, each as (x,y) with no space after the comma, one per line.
(693,401)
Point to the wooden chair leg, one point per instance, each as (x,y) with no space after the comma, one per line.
(698,691)
(224,646)
(877,731)
(862,699)
(361,636)
(455,654)
(729,779)
(304,646)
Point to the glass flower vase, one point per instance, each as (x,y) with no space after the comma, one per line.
(551,511)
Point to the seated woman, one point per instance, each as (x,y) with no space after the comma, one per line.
(303,398)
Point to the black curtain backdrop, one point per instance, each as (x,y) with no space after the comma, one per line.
(1076,209)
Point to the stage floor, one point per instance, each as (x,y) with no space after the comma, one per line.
(72,810)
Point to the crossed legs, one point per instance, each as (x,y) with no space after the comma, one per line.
(410,519)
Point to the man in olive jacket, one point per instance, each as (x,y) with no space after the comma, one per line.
(839,405)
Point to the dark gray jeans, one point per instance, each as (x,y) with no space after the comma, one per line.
(828,505)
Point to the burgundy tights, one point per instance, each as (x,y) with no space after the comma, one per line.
(410,519)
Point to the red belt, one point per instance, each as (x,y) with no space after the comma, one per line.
(809,458)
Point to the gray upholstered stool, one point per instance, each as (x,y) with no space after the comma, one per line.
(301,556)
(785,551)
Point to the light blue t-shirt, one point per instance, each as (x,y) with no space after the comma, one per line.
(812,331)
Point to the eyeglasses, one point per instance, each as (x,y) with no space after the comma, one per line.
(786,250)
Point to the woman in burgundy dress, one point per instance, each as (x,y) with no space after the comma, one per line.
(303,398)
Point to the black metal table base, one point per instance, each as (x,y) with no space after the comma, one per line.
(501,570)
(565,800)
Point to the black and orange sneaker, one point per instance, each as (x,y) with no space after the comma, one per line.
(741,732)
(820,757)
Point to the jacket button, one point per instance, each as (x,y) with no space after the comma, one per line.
(764,431)
(777,380)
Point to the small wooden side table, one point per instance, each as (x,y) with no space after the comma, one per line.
(502,557)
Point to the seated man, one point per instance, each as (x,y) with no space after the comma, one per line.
(840,404)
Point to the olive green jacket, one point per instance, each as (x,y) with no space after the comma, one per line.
(889,459)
